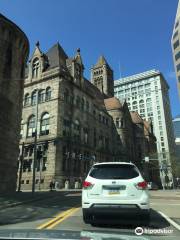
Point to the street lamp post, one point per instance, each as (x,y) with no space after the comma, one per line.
(21,167)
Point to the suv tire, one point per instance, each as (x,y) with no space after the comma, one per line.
(86,216)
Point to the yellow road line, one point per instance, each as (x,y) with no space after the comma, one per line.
(56,218)
(62,219)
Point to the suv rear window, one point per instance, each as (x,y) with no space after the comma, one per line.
(114,171)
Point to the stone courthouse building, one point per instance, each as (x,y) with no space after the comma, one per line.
(79,122)
(14,49)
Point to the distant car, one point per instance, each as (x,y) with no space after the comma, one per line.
(152,186)
(114,188)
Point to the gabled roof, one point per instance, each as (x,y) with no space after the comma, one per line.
(56,56)
(112,103)
(147,127)
(101,61)
(136,118)
(94,92)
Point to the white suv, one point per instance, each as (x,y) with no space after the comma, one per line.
(114,188)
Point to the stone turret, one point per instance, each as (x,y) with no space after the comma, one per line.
(14,50)
(102,77)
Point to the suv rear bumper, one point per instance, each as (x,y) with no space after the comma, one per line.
(116,209)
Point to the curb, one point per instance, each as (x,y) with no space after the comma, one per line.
(165,198)
(20,203)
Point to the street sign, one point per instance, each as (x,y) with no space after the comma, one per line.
(146,159)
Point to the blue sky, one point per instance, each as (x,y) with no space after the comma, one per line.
(133,33)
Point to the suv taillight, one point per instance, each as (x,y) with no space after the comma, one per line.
(142,185)
(87,185)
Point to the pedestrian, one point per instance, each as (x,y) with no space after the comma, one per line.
(56,185)
(51,185)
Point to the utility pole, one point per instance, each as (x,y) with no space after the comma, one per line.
(35,145)
(146,168)
(40,168)
(21,167)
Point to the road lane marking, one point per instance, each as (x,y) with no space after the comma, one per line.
(177,226)
(60,216)
(167,204)
(63,218)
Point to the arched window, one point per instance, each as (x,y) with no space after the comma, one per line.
(44,124)
(78,101)
(77,130)
(141,103)
(44,129)
(27,99)
(148,100)
(119,122)
(82,104)
(122,122)
(35,68)
(31,126)
(66,96)
(134,103)
(33,98)
(87,106)
(85,135)
(41,96)
(48,93)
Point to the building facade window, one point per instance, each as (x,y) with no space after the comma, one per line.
(27,99)
(35,68)
(66,96)
(177,56)
(78,101)
(31,126)
(176,44)
(177,24)
(82,104)
(86,135)
(119,122)
(44,124)
(48,93)
(87,106)
(77,130)
(41,96)
(178,67)
(33,98)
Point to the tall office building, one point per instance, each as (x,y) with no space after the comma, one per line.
(147,93)
(176,46)
(176,124)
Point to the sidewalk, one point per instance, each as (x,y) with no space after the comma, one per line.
(19,198)
(165,194)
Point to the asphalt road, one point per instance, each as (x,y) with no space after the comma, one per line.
(63,211)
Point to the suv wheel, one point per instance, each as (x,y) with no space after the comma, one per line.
(86,216)
(146,218)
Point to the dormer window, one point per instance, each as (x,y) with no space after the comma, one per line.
(35,68)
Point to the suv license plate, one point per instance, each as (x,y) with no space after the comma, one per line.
(113,191)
